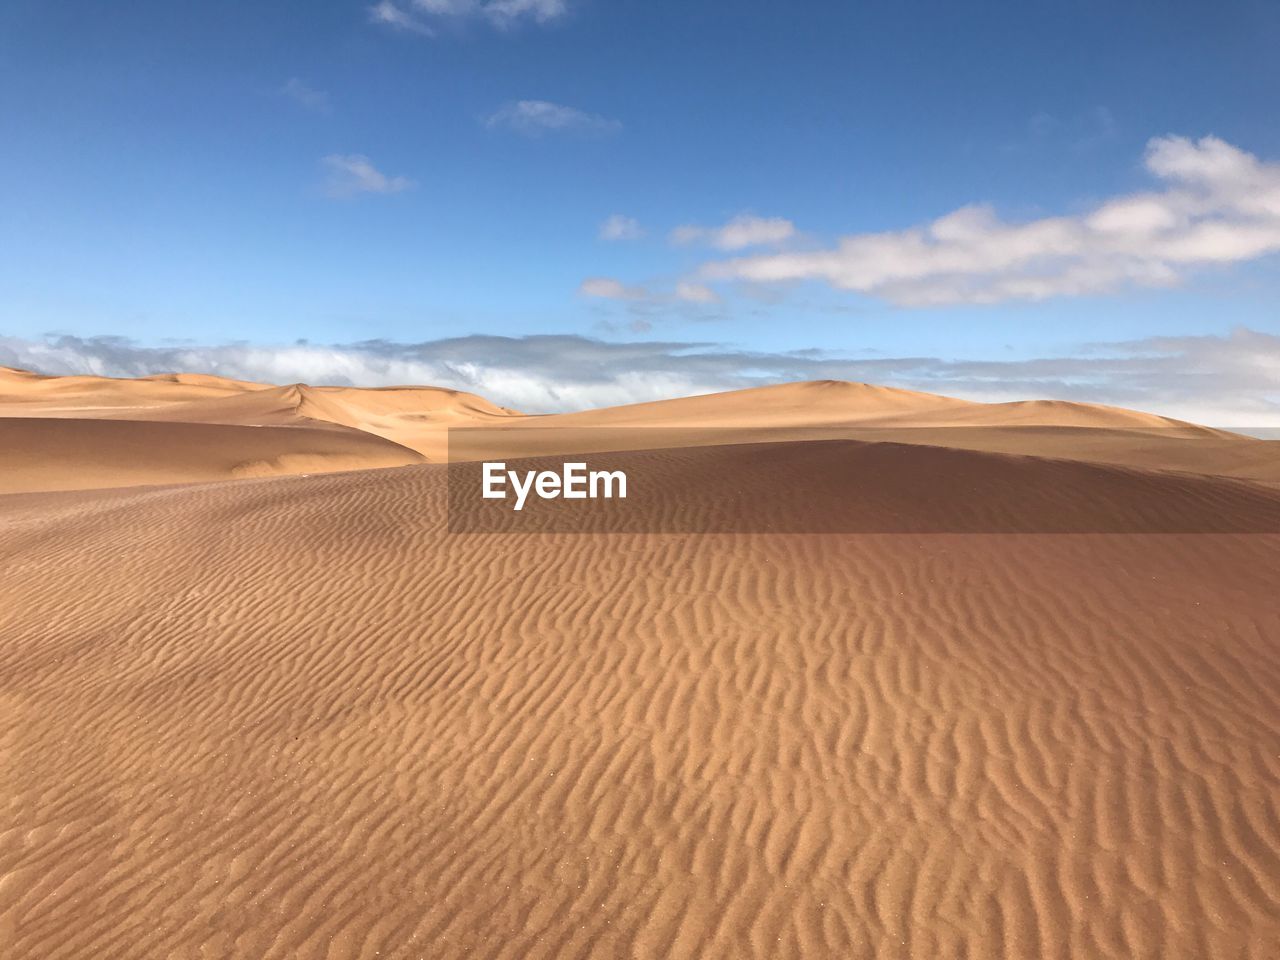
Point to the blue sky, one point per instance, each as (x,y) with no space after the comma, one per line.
(414,171)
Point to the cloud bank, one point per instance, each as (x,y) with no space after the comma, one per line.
(1229,381)
(1218,205)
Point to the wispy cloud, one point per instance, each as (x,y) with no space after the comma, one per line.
(1231,380)
(739,233)
(610,288)
(351,174)
(1219,205)
(618,227)
(419,16)
(504,12)
(695,293)
(1078,133)
(390,14)
(305,96)
(536,117)
(607,288)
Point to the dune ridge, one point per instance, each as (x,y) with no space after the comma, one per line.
(297,428)
(419,419)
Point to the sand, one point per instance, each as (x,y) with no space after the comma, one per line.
(293,716)
(298,429)
(346,423)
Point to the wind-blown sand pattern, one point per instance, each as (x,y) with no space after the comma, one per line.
(294,717)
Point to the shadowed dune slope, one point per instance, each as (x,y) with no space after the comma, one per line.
(295,718)
(61,454)
(850,486)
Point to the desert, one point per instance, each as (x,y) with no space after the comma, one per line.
(653,480)
(859,673)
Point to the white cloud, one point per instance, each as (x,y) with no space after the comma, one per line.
(417,16)
(535,117)
(349,174)
(1230,381)
(390,14)
(645,298)
(618,227)
(695,293)
(740,232)
(607,288)
(299,92)
(503,12)
(1219,205)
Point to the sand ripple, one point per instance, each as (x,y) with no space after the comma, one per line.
(294,718)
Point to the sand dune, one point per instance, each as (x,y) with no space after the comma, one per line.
(857,672)
(843,403)
(415,417)
(65,433)
(294,718)
(62,454)
(420,418)
(27,394)
(851,486)
(831,409)
(804,404)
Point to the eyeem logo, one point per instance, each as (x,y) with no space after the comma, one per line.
(574,482)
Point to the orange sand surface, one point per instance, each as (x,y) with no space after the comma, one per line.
(295,717)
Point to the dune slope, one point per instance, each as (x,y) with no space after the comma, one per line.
(421,419)
(334,730)
(66,454)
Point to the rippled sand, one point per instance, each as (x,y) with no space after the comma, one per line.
(295,718)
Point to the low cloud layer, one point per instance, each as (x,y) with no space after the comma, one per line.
(1218,205)
(536,117)
(1230,381)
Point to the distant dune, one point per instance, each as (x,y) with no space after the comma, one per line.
(297,428)
(417,420)
(75,454)
(1008,690)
